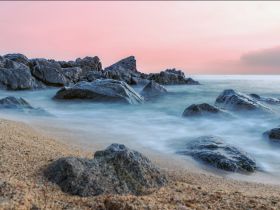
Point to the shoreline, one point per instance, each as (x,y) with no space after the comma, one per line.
(25,152)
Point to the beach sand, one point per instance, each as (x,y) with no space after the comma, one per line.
(25,152)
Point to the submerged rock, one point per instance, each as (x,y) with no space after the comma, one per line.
(106,90)
(214,152)
(236,101)
(19,104)
(115,170)
(265,99)
(49,72)
(204,109)
(153,89)
(273,134)
(172,77)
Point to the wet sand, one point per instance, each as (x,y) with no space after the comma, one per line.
(25,152)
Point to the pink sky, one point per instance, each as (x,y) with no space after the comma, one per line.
(197,37)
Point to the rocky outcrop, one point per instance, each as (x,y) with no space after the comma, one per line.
(236,101)
(213,151)
(273,134)
(115,170)
(172,77)
(106,90)
(48,71)
(265,99)
(19,104)
(16,76)
(124,70)
(153,89)
(204,110)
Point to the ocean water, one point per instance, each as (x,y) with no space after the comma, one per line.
(158,125)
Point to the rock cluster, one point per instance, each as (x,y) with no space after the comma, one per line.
(115,170)
(17,72)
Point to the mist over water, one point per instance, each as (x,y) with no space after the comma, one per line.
(158,124)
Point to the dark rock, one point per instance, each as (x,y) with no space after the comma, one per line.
(49,72)
(204,109)
(124,70)
(265,99)
(236,101)
(214,152)
(153,89)
(17,57)
(273,134)
(115,170)
(93,75)
(73,74)
(172,77)
(89,63)
(20,104)
(106,90)
(16,76)
(128,64)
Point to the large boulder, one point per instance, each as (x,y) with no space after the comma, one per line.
(204,110)
(153,89)
(236,101)
(106,90)
(267,100)
(19,104)
(213,151)
(172,77)
(49,72)
(16,76)
(273,134)
(89,63)
(124,70)
(115,170)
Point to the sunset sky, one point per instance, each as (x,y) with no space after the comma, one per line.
(197,37)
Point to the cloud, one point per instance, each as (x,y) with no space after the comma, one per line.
(262,58)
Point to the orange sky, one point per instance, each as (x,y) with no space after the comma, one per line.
(197,37)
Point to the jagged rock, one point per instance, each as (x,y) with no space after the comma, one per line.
(16,76)
(172,77)
(17,57)
(204,110)
(265,99)
(213,151)
(115,170)
(73,74)
(89,63)
(49,72)
(106,90)
(153,89)
(20,104)
(124,70)
(236,101)
(273,134)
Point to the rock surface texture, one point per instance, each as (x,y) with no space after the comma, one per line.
(106,90)
(236,101)
(153,89)
(273,134)
(115,170)
(213,151)
(172,77)
(204,109)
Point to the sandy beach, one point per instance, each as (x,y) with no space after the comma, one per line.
(25,153)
